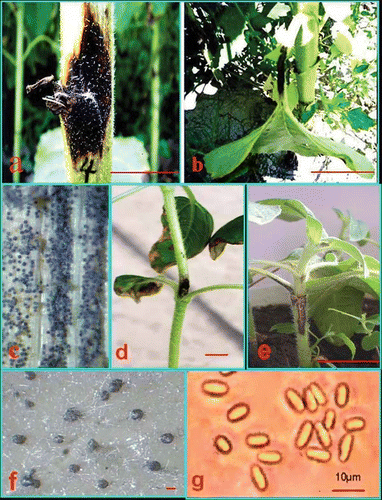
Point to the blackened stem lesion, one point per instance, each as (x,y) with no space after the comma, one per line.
(299,304)
(281,71)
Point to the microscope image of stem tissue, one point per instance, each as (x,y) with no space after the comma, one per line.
(54,276)
(93,434)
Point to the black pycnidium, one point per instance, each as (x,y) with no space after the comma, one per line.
(19,439)
(115,385)
(104,395)
(28,480)
(167,438)
(93,445)
(154,465)
(29,404)
(74,468)
(36,483)
(137,414)
(102,483)
(72,414)
(58,439)
(65,451)
(30,375)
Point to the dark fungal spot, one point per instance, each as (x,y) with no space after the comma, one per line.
(65,451)
(154,465)
(28,480)
(102,483)
(93,445)
(104,396)
(72,414)
(29,404)
(30,375)
(167,438)
(74,468)
(58,439)
(19,439)
(115,385)
(136,414)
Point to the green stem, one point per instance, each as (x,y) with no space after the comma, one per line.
(127,193)
(155,101)
(167,281)
(274,277)
(251,327)
(10,58)
(307,51)
(37,40)
(303,350)
(271,263)
(19,85)
(176,233)
(302,268)
(212,288)
(176,332)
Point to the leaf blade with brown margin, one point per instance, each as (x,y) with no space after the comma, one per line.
(196,224)
(231,233)
(136,287)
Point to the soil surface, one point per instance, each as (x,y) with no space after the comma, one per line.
(283,346)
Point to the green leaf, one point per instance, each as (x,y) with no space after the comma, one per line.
(348,272)
(196,224)
(159,8)
(232,22)
(274,54)
(164,149)
(231,233)
(371,341)
(313,229)
(309,112)
(37,17)
(346,299)
(358,229)
(341,339)
(282,132)
(225,159)
(283,328)
(360,68)
(359,120)
(292,95)
(343,44)
(129,285)
(365,241)
(259,21)
(341,215)
(123,13)
(262,214)
(345,246)
(291,210)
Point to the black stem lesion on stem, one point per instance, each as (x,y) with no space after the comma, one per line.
(281,71)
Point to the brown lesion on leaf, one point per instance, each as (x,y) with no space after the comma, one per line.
(139,290)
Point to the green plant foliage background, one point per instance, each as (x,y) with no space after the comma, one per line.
(132,76)
(212,27)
